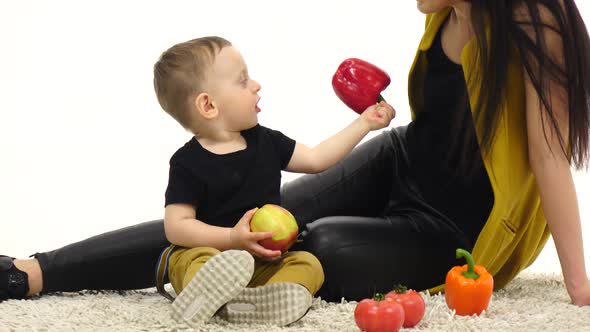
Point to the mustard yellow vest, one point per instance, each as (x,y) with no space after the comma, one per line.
(516,229)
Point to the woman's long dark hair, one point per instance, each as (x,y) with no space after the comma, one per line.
(573,76)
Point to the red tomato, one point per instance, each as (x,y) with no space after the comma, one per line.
(378,315)
(412,302)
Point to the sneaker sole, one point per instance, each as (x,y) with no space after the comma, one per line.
(219,280)
(279,304)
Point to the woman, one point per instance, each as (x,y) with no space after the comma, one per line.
(499,92)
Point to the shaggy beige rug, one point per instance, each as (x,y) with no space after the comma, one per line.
(532,302)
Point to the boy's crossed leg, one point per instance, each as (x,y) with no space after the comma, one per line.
(211,280)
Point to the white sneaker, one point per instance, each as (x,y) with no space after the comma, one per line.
(219,280)
(278,304)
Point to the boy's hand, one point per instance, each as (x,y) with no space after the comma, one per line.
(378,116)
(242,238)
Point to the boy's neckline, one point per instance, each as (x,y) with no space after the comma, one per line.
(221,152)
(230,152)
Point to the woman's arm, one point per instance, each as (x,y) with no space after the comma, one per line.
(552,171)
(559,202)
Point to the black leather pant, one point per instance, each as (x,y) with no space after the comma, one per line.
(362,218)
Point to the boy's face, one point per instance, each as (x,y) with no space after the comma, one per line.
(235,94)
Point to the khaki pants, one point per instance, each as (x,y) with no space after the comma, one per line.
(298,267)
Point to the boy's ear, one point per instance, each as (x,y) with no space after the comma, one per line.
(205,107)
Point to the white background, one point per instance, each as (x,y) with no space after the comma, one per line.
(84,146)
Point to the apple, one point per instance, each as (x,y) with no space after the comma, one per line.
(279,221)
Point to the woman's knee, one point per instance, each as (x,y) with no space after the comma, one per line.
(326,234)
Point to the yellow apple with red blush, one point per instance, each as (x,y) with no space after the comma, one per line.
(278,220)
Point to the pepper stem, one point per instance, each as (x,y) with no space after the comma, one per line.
(470,273)
(378,297)
(380,98)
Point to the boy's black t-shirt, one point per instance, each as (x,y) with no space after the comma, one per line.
(223,187)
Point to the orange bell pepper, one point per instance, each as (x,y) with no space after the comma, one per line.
(468,288)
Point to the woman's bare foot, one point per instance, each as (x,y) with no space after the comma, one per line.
(32,268)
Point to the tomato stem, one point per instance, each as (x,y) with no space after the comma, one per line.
(378,297)
(400,289)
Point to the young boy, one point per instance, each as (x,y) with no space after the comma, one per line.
(230,167)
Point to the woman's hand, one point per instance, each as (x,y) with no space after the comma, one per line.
(580,295)
(242,238)
(379,115)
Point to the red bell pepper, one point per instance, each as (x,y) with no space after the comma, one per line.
(359,84)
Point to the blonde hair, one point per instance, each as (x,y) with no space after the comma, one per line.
(180,72)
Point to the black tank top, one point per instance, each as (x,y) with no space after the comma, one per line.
(439,138)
